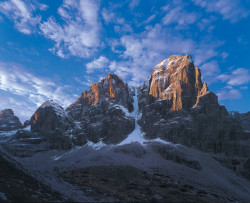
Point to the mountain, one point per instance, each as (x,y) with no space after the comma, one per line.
(8,121)
(177,106)
(167,139)
(104,112)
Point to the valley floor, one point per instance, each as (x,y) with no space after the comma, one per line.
(153,171)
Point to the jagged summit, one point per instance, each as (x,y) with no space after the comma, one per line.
(49,117)
(178,81)
(110,88)
(103,112)
(172,117)
(8,121)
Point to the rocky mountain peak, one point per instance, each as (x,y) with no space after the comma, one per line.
(84,94)
(48,117)
(177,81)
(6,112)
(111,88)
(8,121)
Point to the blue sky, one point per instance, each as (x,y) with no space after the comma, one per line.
(57,49)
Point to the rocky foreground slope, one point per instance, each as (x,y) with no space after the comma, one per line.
(169,137)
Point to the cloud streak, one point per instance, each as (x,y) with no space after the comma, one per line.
(79,34)
(24,88)
(231,10)
(22,15)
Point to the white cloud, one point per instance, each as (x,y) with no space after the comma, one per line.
(210,69)
(230,94)
(143,51)
(98,64)
(110,17)
(178,15)
(22,87)
(230,9)
(22,14)
(125,28)
(79,34)
(149,19)
(239,76)
(133,4)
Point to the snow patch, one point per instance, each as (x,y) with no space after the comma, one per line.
(8,133)
(96,146)
(56,107)
(28,128)
(190,59)
(125,110)
(57,157)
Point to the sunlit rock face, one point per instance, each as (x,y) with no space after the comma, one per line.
(8,121)
(103,112)
(177,81)
(177,106)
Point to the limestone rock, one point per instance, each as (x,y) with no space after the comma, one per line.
(49,117)
(53,124)
(8,121)
(103,113)
(177,81)
(177,106)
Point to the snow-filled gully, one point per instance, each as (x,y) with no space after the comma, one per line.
(137,135)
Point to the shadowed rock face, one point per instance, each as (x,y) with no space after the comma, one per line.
(103,111)
(111,88)
(53,124)
(8,121)
(177,106)
(49,117)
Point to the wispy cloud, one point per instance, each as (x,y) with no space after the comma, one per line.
(134,3)
(100,63)
(230,9)
(32,90)
(179,16)
(240,76)
(229,94)
(79,34)
(22,14)
(143,51)
(210,69)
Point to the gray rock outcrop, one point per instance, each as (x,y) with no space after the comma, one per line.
(103,113)
(8,121)
(53,124)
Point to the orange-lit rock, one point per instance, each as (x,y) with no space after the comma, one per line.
(177,106)
(102,111)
